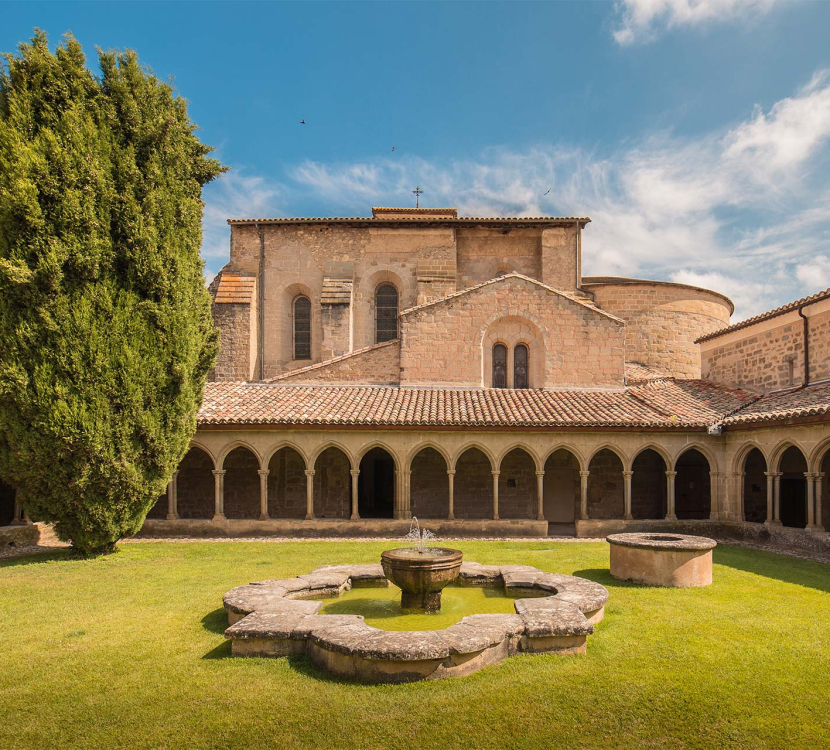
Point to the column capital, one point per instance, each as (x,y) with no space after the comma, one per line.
(714,474)
(353,472)
(540,473)
(451,472)
(407,472)
(671,473)
(584,474)
(628,473)
(175,474)
(309,472)
(219,472)
(810,475)
(772,474)
(263,472)
(495,473)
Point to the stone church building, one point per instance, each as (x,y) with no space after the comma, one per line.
(464,371)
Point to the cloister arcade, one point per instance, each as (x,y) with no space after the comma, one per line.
(471,479)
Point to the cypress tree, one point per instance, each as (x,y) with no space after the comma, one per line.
(106,336)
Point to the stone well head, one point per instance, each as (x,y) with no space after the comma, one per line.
(421,574)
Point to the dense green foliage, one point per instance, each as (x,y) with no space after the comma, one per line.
(106,335)
(743,663)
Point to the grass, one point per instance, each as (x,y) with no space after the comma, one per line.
(127,652)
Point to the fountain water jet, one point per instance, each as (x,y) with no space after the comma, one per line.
(422,572)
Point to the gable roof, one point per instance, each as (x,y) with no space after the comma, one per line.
(513,275)
(811,401)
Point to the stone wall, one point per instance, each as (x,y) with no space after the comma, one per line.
(375,365)
(663,320)
(429,490)
(573,344)
(517,486)
(237,342)
(606,492)
(286,485)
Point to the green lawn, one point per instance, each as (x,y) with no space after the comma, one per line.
(127,651)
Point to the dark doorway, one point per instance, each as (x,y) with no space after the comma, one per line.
(692,487)
(793,490)
(376,485)
(648,486)
(755,487)
(7,495)
(195,493)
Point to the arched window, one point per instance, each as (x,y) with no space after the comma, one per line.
(520,366)
(386,313)
(499,366)
(302,328)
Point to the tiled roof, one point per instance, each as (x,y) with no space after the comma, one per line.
(664,403)
(234,287)
(789,307)
(635,372)
(333,360)
(470,220)
(453,212)
(498,279)
(804,402)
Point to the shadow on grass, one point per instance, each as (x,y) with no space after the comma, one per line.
(39,557)
(222,651)
(216,621)
(769,564)
(603,576)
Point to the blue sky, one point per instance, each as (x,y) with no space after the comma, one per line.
(695,133)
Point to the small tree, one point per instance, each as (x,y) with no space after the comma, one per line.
(106,335)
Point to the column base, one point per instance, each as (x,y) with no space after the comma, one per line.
(670,518)
(430,602)
(540,518)
(354,517)
(628,517)
(496,518)
(815,528)
(265,517)
(310,518)
(172,517)
(219,517)
(450,517)
(19,522)
(773,522)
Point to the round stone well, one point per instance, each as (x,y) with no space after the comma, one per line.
(662,559)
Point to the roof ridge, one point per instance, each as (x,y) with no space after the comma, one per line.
(326,362)
(512,274)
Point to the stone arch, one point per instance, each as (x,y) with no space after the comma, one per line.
(823,492)
(312,458)
(228,449)
(377,483)
(537,464)
(692,485)
(473,485)
(269,454)
(818,455)
(429,492)
(196,496)
(365,300)
(511,331)
(753,468)
(658,449)
(781,447)
(792,497)
(648,484)
(615,449)
(286,482)
(561,490)
(606,491)
(7,503)
(428,444)
(332,482)
(478,446)
(359,454)
(517,483)
(583,464)
(242,487)
(704,450)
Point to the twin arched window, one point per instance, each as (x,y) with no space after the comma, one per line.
(520,366)
(386,313)
(302,328)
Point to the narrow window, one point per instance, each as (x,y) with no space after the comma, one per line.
(386,313)
(499,366)
(520,366)
(302,328)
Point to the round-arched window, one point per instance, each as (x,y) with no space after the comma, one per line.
(520,367)
(302,328)
(386,313)
(499,366)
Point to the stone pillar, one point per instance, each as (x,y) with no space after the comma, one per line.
(627,486)
(173,498)
(714,504)
(583,495)
(396,505)
(776,498)
(811,501)
(263,494)
(739,478)
(450,479)
(670,512)
(496,495)
(819,517)
(406,507)
(17,513)
(540,495)
(219,494)
(770,492)
(309,494)
(355,516)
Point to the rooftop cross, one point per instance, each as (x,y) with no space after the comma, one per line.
(418,193)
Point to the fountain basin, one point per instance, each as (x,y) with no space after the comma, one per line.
(421,575)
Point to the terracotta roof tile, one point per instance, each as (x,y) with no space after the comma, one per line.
(804,402)
(636,372)
(665,403)
(235,288)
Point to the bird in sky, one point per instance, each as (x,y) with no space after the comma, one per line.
(549,189)
(302,122)
(394,148)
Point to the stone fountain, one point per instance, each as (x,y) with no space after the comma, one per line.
(421,572)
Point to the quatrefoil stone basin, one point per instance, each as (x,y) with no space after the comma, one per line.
(280,618)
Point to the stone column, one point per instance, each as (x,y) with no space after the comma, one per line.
(450,479)
(263,494)
(406,507)
(173,498)
(776,498)
(739,477)
(309,494)
(819,517)
(770,492)
(714,504)
(496,495)
(219,494)
(627,486)
(811,501)
(583,495)
(396,506)
(355,516)
(670,512)
(540,495)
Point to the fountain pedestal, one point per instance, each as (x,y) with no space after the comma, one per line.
(421,574)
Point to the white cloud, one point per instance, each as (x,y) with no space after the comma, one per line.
(745,211)
(642,20)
